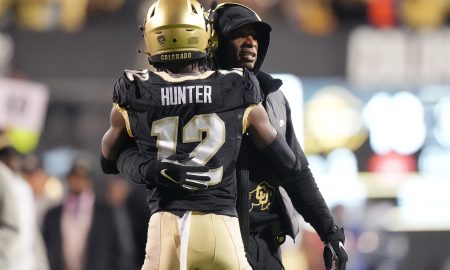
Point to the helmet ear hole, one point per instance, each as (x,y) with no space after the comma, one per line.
(193,9)
(153,12)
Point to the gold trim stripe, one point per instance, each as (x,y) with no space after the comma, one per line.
(124,113)
(238,71)
(244,119)
(166,76)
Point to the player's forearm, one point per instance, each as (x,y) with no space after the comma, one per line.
(107,159)
(113,143)
(116,138)
(107,146)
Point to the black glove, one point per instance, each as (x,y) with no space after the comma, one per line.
(334,252)
(172,173)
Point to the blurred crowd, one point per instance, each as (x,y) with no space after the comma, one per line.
(311,16)
(76,222)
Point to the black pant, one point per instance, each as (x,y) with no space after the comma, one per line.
(263,254)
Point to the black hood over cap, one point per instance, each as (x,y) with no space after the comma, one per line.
(230,16)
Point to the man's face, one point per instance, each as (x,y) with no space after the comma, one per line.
(244,46)
(78,183)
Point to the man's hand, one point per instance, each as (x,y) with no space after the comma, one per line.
(173,173)
(335,254)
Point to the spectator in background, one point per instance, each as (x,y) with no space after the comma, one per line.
(21,245)
(117,192)
(139,215)
(38,178)
(81,233)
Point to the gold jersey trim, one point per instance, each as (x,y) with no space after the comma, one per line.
(244,119)
(140,74)
(124,113)
(238,71)
(168,77)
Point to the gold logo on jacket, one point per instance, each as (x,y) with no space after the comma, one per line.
(261,197)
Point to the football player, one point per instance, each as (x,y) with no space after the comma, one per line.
(191,120)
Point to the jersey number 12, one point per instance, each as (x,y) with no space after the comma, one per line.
(166,131)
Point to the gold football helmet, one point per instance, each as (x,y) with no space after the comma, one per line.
(176,30)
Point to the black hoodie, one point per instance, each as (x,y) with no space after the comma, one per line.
(305,195)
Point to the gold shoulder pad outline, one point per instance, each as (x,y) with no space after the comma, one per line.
(244,118)
(124,113)
(169,78)
(142,75)
(238,71)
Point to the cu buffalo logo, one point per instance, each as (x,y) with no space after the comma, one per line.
(162,40)
(261,197)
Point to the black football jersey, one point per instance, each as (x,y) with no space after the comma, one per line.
(201,115)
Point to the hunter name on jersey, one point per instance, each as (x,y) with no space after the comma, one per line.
(177,95)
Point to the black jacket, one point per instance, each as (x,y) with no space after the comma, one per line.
(102,246)
(304,194)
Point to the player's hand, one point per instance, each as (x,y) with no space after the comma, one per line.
(172,172)
(335,255)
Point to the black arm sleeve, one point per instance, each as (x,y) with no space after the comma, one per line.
(136,167)
(308,201)
(304,193)
(108,166)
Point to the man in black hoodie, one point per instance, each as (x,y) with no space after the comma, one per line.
(268,216)
(243,41)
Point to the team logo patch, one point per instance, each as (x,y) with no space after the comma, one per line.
(162,40)
(262,197)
